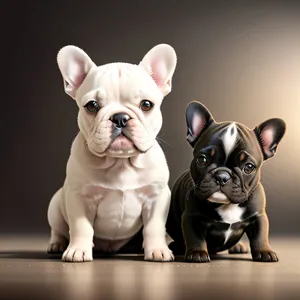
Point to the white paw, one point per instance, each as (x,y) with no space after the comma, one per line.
(159,254)
(75,254)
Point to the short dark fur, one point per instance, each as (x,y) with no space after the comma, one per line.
(193,221)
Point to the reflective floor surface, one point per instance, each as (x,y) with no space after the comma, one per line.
(27,273)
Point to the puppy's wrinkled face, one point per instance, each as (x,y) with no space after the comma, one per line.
(119,110)
(119,103)
(226,164)
(228,156)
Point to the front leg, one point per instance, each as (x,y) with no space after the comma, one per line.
(154,216)
(258,234)
(196,247)
(81,212)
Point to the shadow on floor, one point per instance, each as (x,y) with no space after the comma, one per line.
(23,255)
(42,255)
(230,257)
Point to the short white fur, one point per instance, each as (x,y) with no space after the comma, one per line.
(110,193)
(229,139)
(230,213)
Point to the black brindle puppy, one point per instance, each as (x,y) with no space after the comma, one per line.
(221,196)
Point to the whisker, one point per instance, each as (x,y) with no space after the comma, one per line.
(190,180)
(164,144)
(189,190)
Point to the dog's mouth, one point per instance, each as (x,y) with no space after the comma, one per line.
(211,188)
(219,197)
(122,146)
(121,142)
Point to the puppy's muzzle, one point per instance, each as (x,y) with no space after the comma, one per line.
(120,119)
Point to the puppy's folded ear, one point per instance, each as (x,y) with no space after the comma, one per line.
(269,134)
(198,118)
(160,63)
(74,65)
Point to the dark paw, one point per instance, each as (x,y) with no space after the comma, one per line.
(239,248)
(264,255)
(197,256)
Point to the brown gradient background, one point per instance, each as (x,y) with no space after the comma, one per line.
(240,58)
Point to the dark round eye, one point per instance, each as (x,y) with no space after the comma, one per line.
(248,168)
(92,106)
(146,105)
(202,161)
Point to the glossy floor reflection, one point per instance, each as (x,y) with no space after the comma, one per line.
(27,273)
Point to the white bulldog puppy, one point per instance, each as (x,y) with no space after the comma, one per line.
(117,175)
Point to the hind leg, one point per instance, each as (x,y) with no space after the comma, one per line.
(239,248)
(59,228)
(57,244)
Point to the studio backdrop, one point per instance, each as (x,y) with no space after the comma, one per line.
(239,58)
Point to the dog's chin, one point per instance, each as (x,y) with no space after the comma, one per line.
(121,153)
(115,152)
(121,147)
(219,197)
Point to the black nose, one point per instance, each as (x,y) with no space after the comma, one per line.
(222,177)
(120,119)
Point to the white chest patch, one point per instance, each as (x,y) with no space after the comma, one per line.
(230,213)
(230,138)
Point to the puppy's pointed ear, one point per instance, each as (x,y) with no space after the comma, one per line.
(269,134)
(74,65)
(160,63)
(198,118)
